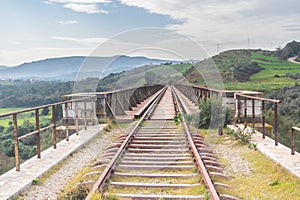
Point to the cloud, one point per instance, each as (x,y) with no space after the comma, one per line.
(15,43)
(228,22)
(82,6)
(68,22)
(80,1)
(85,8)
(291,27)
(84,41)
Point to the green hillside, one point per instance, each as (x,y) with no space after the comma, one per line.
(251,70)
(275,74)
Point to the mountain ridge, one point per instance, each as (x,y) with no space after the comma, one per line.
(61,68)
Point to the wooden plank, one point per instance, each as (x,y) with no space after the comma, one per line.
(156,158)
(126,184)
(156,175)
(156,166)
(150,146)
(174,162)
(165,197)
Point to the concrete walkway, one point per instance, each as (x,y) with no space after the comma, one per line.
(280,154)
(12,183)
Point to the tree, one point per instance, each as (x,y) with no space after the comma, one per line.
(45,111)
(214,114)
(150,77)
(1,128)
(7,147)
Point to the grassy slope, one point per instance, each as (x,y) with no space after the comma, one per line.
(7,110)
(273,66)
(265,80)
(30,116)
(266,180)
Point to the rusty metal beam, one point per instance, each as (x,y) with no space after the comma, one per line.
(258,98)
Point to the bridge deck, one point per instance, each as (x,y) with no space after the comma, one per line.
(12,183)
(165,109)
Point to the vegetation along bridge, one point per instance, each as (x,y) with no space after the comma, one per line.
(162,157)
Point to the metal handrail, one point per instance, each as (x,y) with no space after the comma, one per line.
(263,100)
(38,128)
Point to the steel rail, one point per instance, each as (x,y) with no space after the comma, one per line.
(109,168)
(201,167)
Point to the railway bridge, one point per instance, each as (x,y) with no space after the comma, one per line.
(163,145)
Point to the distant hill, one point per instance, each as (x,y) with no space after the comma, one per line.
(234,65)
(67,68)
(241,69)
(291,49)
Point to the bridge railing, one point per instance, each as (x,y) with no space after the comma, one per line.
(293,131)
(245,99)
(52,126)
(113,103)
(195,93)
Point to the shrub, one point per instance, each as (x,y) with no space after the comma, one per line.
(213,113)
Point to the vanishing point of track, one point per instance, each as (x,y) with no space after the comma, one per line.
(159,158)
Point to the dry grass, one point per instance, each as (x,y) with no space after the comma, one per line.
(197,190)
(182,180)
(267,180)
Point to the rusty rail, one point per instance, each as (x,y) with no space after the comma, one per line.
(109,168)
(201,167)
(293,130)
(39,129)
(239,96)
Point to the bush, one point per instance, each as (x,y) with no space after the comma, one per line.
(243,135)
(213,113)
(1,128)
(76,193)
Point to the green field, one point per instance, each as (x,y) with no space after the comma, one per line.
(272,76)
(8,110)
(273,66)
(29,116)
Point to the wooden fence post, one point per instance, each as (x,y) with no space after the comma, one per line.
(54,127)
(93,111)
(263,118)
(276,123)
(85,119)
(67,121)
(16,142)
(37,128)
(292,141)
(245,112)
(76,118)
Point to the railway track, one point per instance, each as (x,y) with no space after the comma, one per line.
(160,159)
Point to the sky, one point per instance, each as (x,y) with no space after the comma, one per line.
(37,29)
